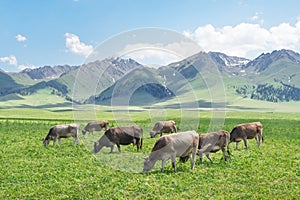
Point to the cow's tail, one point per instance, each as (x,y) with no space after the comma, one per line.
(260,131)
(141,145)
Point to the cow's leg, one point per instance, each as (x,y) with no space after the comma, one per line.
(245,142)
(173,158)
(208,156)
(59,141)
(119,147)
(138,144)
(54,141)
(201,157)
(111,148)
(163,163)
(193,159)
(237,145)
(193,155)
(75,140)
(160,133)
(258,140)
(225,154)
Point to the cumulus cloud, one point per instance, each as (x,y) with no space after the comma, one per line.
(74,45)
(11,60)
(247,39)
(21,38)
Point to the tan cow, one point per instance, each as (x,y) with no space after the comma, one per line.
(163,127)
(62,131)
(167,147)
(95,126)
(247,131)
(213,142)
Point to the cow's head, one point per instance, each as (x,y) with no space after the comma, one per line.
(152,134)
(148,164)
(97,147)
(106,124)
(83,132)
(45,141)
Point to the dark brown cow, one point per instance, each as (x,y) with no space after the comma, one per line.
(163,127)
(247,131)
(213,142)
(62,131)
(183,144)
(120,136)
(95,126)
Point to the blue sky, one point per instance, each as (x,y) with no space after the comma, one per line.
(37,33)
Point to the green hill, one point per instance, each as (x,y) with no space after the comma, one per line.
(204,80)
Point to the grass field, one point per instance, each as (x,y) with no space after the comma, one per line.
(31,171)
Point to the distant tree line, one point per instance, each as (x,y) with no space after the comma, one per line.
(266,92)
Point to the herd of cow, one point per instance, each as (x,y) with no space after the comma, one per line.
(185,145)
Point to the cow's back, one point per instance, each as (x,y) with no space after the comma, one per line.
(124,135)
(250,129)
(181,142)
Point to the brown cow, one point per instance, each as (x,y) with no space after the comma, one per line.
(120,136)
(95,126)
(247,131)
(163,127)
(213,142)
(183,144)
(62,131)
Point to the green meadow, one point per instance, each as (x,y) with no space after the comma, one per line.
(31,171)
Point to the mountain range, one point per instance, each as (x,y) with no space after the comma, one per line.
(271,77)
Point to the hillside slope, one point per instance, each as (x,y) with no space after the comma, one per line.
(203,79)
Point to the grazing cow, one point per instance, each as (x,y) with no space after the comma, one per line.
(120,136)
(163,127)
(213,142)
(95,126)
(247,131)
(62,131)
(183,144)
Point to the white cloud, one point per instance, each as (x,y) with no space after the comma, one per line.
(21,38)
(74,45)
(245,39)
(255,17)
(11,60)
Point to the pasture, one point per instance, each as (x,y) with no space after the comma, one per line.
(31,171)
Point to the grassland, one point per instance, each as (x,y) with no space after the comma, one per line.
(31,171)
